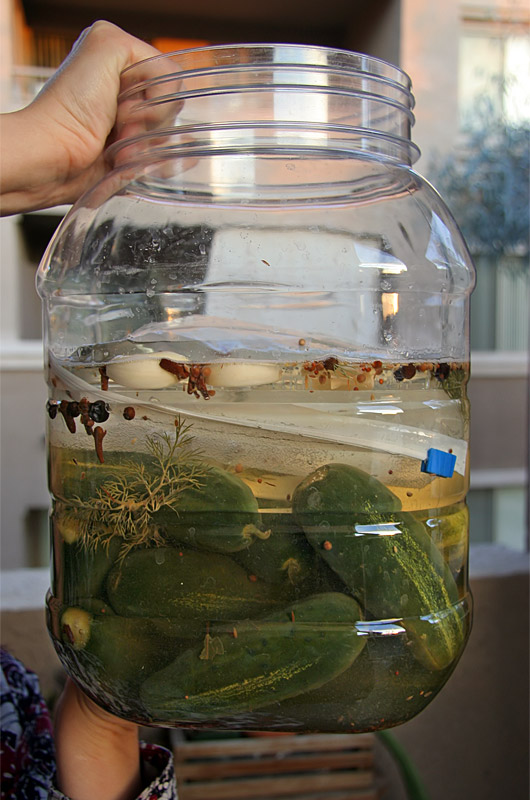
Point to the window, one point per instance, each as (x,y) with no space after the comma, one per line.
(489,183)
(494,66)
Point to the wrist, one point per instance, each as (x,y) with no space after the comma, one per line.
(97,754)
(26,159)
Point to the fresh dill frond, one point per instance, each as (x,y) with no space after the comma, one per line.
(125,506)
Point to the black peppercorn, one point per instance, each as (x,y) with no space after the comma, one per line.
(442,371)
(99,411)
(52,408)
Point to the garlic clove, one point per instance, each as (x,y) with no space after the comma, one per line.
(233,376)
(144,372)
(75,624)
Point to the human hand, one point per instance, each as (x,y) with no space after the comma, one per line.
(97,754)
(52,150)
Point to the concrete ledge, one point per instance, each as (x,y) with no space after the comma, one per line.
(23,589)
(494,560)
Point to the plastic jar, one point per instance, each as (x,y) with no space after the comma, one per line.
(257,349)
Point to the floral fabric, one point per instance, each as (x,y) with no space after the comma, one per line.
(27,748)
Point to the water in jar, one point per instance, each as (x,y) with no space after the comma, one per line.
(253,542)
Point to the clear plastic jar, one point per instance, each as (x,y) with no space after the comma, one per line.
(257,349)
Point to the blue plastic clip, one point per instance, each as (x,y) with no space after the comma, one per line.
(438,462)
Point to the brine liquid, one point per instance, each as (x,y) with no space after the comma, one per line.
(163,644)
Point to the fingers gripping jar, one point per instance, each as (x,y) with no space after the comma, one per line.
(257,355)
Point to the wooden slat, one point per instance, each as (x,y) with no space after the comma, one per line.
(349,794)
(278,744)
(288,786)
(251,766)
(287,767)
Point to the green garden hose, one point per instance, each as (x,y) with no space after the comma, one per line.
(411,779)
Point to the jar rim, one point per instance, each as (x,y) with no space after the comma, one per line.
(193,139)
(338,58)
(254,85)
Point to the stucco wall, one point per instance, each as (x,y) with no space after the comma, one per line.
(429,54)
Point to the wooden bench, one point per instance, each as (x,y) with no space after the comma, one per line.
(282,767)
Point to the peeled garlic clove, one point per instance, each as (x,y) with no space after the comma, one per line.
(75,625)
(360,380)
(340,382)
(144,372)
(232,376)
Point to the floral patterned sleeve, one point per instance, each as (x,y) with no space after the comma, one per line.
(28,752)
(27,748)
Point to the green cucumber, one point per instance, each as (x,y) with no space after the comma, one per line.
(448,528)
(384,687)
(219,514)
(299,648)
(77,473)
(284,557)
(145,498)
(385,558)
(170,582)
(118,649)
(340,488)
(78,571)
(95,606)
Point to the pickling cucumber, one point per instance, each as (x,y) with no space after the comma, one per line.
(219,514)
(384,687)
(339,488)
(118,649)
(77,473)
(171,582)
(78,571)
(299,648)
(448,528)
(384,556)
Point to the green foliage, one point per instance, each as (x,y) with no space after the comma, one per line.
(125,506)
(486,185)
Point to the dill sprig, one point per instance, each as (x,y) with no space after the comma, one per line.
(125,505)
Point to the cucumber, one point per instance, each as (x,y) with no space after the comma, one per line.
(448,528)
(284,557)
(170,582)
(219,514)
(385,558)
(299,648)
(78,571)
(95,606)
(77,473)
(122,650)
(384,687)
(339,488)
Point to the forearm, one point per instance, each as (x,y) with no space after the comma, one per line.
(97,755)
(34,164)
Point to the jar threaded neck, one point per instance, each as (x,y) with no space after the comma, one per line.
(264,97)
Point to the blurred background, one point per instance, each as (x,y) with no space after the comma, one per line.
(469,61)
